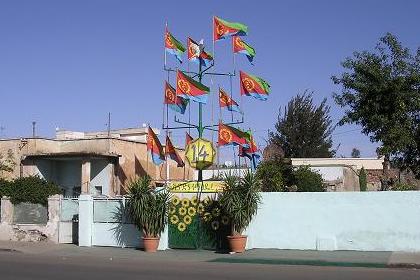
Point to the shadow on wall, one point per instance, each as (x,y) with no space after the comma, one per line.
(125,232)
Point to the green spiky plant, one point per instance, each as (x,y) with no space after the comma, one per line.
(148,207)
(240,200)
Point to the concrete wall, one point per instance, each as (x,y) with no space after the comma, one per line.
(358,163)
(100,176)
(363,221)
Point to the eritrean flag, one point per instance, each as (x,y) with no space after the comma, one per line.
(229,135)
(173,46)
(226,102)
(197,54)
(171,152)
(251,151)
(155,147)
(188,88)
(176,103)
(253,86)
(223,29)
(239,46)
(188,139)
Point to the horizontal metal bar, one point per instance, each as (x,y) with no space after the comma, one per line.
(178,127)
(175,70)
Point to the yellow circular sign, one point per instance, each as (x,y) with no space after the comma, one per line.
(200,153)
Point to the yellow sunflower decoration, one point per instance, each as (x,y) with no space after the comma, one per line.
(172,210)
(225,220)
(194,201)
(175,200)
(207,217)
(215,212)
(215,225)
(185,202)
(191,211)
(187,220)
(182,211)
(182,227)
(200,208)
(174,219)
(207,201)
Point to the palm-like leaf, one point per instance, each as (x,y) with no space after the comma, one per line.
(147,207)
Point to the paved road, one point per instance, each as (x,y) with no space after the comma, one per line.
(19,266)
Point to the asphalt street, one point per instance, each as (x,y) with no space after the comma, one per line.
(19,266)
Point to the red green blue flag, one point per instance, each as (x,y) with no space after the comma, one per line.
(174,102)
(154,147)
(239,46)
(188,88)
(229,135)
(251,152)
(225,101)
(172,153)
(223,29)
(188,139)
(197,54)
(253,86)
(173,46)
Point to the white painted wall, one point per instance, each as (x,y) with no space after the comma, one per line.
(363,221)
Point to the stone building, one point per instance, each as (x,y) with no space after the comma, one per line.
(94,162)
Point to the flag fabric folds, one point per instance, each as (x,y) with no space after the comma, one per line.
(174,102)
(188,88)
(239,46)
(253,86)
(173,46)
(226,102)
(188,139)
(172,153)
(229,135)
(197,54)
(251,152)
(223,29)
(154,147)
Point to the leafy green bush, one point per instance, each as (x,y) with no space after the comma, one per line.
(307,180)
(363,180)
(403,187)
(270,175)
(31,189)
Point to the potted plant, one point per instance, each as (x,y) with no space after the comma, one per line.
(239,201)
(148,209)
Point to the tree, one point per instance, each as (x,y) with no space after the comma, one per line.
(307,180)
(355,153)
(362,180)
(304,130)
(381,92)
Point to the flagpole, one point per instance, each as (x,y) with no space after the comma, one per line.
(218,147)
(214,50)
(164,44)
(147,151)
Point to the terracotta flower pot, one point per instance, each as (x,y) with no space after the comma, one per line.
(237,243)
(151,244)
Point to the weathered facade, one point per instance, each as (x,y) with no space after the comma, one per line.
(91,163)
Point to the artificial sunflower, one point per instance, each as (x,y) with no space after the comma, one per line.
(207,217)
(215,225)
(187,220)
(172,210)
(185,202)
(194,201)
(191,211)
(225,220)
(182,227)
(182,211)
(200,208)
(215,212)
(175,200)
(174,219)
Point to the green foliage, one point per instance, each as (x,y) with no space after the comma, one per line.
(240,200)
(147,207)
(304,130)
(31,189)
(362,180)
(307,180)
(270,175)
(381,92)
(355,153)
(403,187)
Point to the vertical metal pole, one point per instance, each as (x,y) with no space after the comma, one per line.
(33,129)
(109,124)
(200,119)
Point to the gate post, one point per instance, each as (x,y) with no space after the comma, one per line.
(85,220)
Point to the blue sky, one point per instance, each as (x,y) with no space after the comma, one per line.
(67,64)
